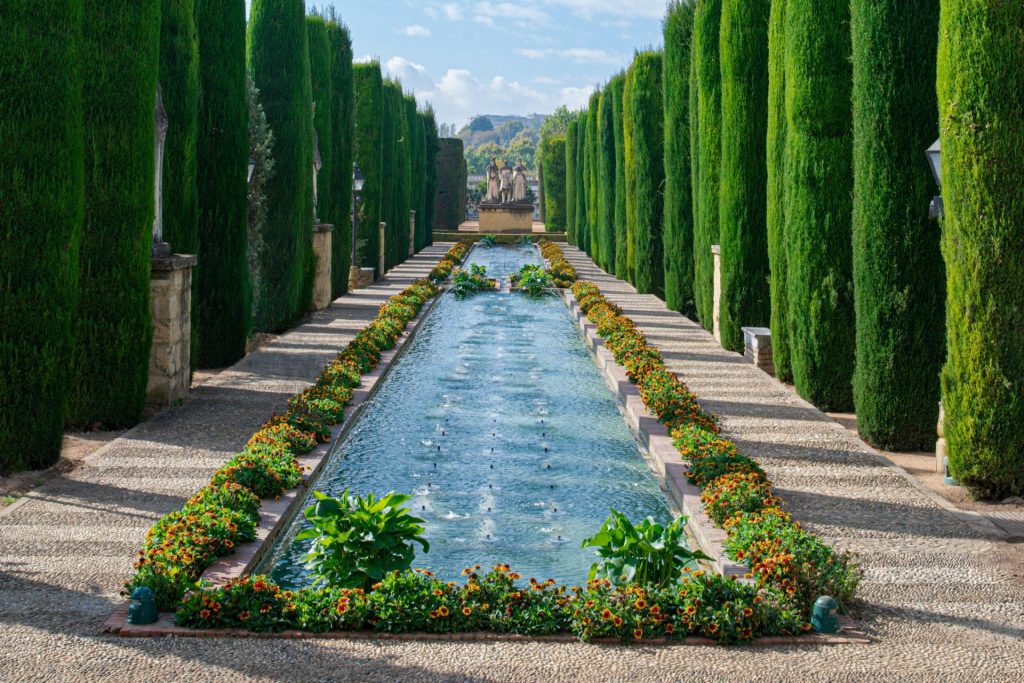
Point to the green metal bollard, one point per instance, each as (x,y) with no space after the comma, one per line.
(142,609)
(824,619)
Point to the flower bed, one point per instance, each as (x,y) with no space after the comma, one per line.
(452,259)
(561,271)
(734,489)
(225,513)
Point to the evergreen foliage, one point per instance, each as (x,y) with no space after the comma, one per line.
(776,190)
(223,302)
(322,84)
(582,228)
(41,185)
(593,174)
(981,106)
(746,297)
(553,163)
(707,156)
(431,147)
(120,60)
(279,63)
(678,228)
(899,277)
(339,213)
(369,155)
(625,269)
(618,259)
(449,196)
(571,138)
(648,115)
(606,180)
(819,176)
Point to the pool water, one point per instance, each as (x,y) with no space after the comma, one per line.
(498,423)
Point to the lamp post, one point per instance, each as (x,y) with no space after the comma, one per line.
(252,169)
(357,186)
(936,208)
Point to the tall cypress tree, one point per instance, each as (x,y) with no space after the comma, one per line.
(981,106)
(899,277)
(431,146)
(322,87)
(413,149)
(41,169)
(554,182)
(582,228)
(678,229)
(593,174)
(369,154)
(279,64)
(179,80)
(606,178)
(571,135)
(746,298)
(113,329)
(343,148)
(776,189)
(619,263)
(818,200)
(707,158)
(648,114)
(629,162)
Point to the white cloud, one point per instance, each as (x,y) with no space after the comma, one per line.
(645,9)
(577,98)
(415,31)
(580,55)
(452,11)
(520,14)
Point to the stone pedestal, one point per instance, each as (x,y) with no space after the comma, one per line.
(716,252)
(941,452)
(412,234)
(506,218)
(322,236)
(170,304)
(359,278)
(383,250)
(757,348)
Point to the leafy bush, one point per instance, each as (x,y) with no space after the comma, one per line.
(357,540)
(533,280)
(473,280)
(488,241)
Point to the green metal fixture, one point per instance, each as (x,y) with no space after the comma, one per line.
(824,619)
(142,609)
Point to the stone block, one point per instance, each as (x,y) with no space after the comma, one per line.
(171,311)
(757,348)
(322,237)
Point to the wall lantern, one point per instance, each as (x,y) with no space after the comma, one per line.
(936,208)
(252,168)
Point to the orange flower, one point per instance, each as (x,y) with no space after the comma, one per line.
(748,612)
(713,628)
(442,610)
(466,611)
(618,621)
(433,614)
(691,610)
(670,629)
(638,633)
(244,616)
(655,610)
(640,603)
(746,633)
(438,591)
(606,614)
(204,614)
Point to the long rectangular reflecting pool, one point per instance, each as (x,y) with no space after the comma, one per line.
(497,421)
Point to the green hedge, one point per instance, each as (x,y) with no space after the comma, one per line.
(279,64)
(678,228)
(223,304)
(818,200)
(582,228)
(449,202)
(648,115)
(706,125)
(322,84)
(179,81)
(368,86)
(571,176)
(339,212)
(554,183)
(41,167)
(746,297)
(776,190)
(981,106)
(606,180)
(624,260)
(899,277)
(113,329)
(616,87)
(593,173)
(432,148)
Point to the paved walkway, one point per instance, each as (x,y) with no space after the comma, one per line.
(937,597)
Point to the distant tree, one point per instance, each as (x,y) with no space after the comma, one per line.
(481,124)
(571,140)
(647,159)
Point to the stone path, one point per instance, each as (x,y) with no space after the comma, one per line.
(938,599)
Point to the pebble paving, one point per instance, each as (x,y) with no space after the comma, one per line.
(938,598)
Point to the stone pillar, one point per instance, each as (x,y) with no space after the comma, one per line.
(170,303)
(322,237)
(757,348)
(941,452)
(412,234)
(383,249)
(716,251)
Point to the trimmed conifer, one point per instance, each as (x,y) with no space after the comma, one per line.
(620,267)
(339,212)
(593,174)
(981,106)
(431,143)
(629,163)
(776,190)
(707,158)
(554,182)
(819,176)
(582,228)
(41,173)
(648,115)
(606,179)
(120,58)
(449,199)
(322,87)
(743,230)
(279,64)
(369,155)
(571,135)
(678,224)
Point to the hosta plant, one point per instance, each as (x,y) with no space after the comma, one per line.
(533,280)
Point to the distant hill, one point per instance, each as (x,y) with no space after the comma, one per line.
(502,136)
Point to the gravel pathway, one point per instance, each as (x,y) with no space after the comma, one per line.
(938,597)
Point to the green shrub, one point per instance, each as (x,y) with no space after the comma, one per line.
(449,204)
(898,274)
(393,177)
(706,126)
(648,115)
(369,155)
(678,223)
(41,176)
(776,190)
(113,329)
(279,64)
(819,176)
(746,296)
(981,105)
(606,180)
(571,135)
(339,212)
(553,150)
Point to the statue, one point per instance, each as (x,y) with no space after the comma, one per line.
(519,183)
(506,183)
(492,196)
(318,163)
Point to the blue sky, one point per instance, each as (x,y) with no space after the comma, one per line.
(498,56)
